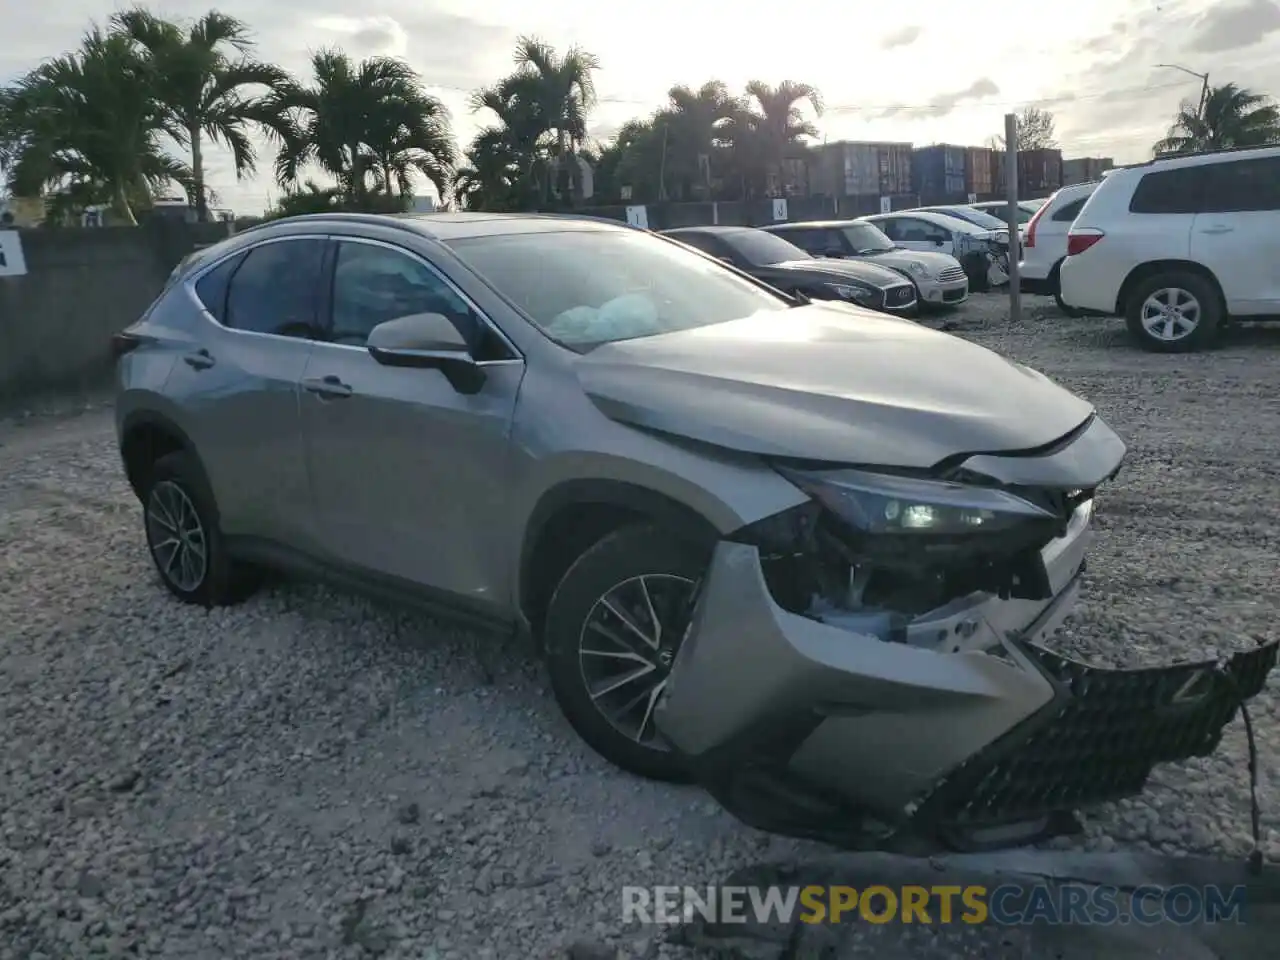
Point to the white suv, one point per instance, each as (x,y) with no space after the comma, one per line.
(1044,244)
(1180,245)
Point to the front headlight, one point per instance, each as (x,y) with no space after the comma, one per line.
(855,292)
(918,269)
(876,503)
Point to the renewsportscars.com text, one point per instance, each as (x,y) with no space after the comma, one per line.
(1010,904)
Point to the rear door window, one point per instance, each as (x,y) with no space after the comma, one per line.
(277,288)
(1169,191)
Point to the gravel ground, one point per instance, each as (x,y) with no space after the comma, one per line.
(311,775)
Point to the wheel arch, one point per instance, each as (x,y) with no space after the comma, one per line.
(1153,267)
(571,516)
(145,437)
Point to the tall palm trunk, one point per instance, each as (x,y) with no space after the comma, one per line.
(120,205)
(357,176)
(197,173)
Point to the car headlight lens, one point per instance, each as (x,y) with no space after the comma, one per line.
(855,292)
(875,503)
(918,269)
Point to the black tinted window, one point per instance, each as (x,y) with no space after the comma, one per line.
(1243,185)
(276,289)
(812,241)
(1169,191)
(374,284)
(699,241)
(1069,211)
(212,287)
(891,229)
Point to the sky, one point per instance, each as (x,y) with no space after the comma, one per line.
(924,71)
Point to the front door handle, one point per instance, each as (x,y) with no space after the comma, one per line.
(1220,228)
(329,387)
(200,360)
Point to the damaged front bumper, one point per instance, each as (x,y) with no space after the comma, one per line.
(959,730)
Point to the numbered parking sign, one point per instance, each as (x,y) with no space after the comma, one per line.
(886,204)
(779,209)
(12,262)
(638,216)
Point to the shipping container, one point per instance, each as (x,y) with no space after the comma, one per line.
(1039,171)
(979,173)
(938,172)
(1075,171)
(849,168)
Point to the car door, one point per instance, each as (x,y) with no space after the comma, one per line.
(239,384)
(917,234)
(1236,234)
(406,472)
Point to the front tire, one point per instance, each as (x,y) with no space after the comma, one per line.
(1174,313)
(188,549)
(613,628)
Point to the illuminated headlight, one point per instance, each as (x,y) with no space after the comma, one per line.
(908,506)
(855,292)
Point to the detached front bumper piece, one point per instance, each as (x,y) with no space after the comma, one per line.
(848,732)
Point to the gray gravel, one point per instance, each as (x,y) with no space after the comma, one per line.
(312,775)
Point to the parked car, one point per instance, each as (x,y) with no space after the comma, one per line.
(593,435)
(983,253)
(784,265)
(1179,246)
(978,218)
(996,208)
(1044,246)
(938,277)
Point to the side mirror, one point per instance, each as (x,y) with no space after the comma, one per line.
(426,340)
(939,241)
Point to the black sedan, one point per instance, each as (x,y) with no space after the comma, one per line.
(788,268)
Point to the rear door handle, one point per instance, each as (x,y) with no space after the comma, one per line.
(200,360)
(1218,229)
(329,387)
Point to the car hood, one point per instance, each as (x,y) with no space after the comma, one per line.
(880,276)
(830,382)
(933,263)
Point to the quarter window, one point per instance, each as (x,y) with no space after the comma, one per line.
(1242,186)
(276,289)
(1069,211)
(211,289)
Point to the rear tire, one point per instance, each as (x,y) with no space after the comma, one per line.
(644,573)
(1174,313)
(183,538)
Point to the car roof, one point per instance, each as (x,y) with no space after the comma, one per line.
(709,228)
(456,226)
(1202,158)
(939,219)
(810,223)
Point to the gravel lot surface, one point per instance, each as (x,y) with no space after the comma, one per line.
(312,775)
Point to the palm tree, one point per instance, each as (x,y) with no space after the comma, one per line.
(357,119)
(88,124)
(1231,117)
(509,156)
(695,124)
(563,94)
(201,73)
(777,125)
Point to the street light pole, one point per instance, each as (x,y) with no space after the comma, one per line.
(1204,86)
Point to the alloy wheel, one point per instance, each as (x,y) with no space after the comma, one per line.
(627,646)
(176,536)
(1170,314)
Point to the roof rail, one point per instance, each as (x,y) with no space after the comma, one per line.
(1200,153)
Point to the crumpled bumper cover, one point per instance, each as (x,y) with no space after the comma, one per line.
(814,730)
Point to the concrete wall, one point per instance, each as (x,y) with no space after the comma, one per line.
(82,286)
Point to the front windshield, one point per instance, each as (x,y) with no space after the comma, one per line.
(760,249)
(866,238)
(583,288)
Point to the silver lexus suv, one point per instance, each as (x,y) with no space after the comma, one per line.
(810,555)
